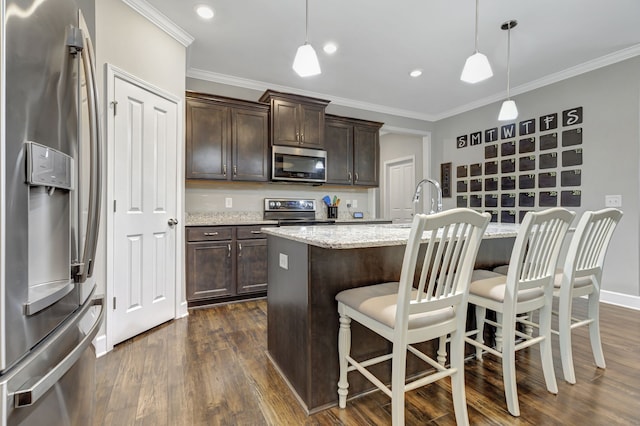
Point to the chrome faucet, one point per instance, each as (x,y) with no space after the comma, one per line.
(416,196)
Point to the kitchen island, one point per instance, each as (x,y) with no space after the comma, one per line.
(307,267)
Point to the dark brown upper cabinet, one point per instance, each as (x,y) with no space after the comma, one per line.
(353,151)
(227,139)
(296,120)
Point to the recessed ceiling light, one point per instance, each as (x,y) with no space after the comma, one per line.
(415,73)
(205,12)
(330,48)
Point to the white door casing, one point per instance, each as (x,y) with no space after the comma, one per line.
(400,178)
(143,270)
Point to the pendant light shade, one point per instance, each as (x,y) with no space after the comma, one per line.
(508,111)
(477,67)
(306,64)
(306,61)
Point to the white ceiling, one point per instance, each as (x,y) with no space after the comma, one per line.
(252,43)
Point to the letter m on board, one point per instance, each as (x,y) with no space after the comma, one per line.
(476,138)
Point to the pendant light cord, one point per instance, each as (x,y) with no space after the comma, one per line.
(477,1)
(306,25)
(508,61)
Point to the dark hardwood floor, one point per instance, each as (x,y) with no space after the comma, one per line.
(211,369)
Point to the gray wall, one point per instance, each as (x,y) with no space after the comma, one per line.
(610,98)
(129,41)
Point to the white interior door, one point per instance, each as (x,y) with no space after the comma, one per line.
(144,182)
(401,178)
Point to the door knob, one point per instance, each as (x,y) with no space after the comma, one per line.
(173,222)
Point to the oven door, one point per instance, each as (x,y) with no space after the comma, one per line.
(298,164)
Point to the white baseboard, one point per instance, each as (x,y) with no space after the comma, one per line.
(619,299)
(182,310)
(100,345)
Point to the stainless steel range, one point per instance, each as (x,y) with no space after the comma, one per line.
(293,211)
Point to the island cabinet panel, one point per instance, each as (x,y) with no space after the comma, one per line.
(226,139)
(225,263)
(296,120)
(302,333)
(353,151)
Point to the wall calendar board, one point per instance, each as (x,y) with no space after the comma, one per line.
(532,164)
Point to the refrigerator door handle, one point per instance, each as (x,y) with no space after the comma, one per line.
(95,183)
(47,295)
(37,387)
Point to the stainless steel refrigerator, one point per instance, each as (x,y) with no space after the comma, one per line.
(50,184)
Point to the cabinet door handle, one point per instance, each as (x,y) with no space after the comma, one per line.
(302,137)
(239,249)
(224,169)
(228,250)
(210,234)
(235,170)
(349,175)
(356,176)
(298,136)
(256,232)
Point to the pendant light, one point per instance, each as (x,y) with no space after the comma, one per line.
(509,111)
(477,67)
(306,61)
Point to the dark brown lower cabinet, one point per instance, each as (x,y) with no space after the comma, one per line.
(225,262)
(252,266)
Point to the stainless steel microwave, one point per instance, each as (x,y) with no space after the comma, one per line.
(298,164)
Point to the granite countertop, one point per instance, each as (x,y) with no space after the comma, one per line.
(252,218)
(227,218)
(361,236)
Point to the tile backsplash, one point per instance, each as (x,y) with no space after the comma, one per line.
(248,197)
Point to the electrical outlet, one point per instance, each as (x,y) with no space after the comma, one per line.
(284,261)
(348,203)
(354,203)
(613,200)
(228,202)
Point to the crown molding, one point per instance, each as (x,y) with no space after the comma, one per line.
(403,131)
(160,21)
(574,71)
(260,85)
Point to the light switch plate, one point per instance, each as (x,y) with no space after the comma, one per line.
(228,202)
(354,203)
(613,200)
